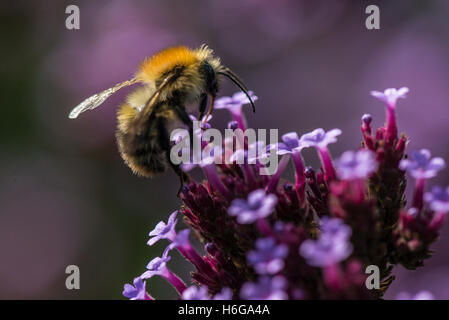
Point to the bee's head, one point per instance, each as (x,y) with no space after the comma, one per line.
(211,70)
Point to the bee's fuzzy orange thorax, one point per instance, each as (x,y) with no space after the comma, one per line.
(160,63)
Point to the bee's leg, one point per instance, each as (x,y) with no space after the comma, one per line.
(164,141)
(203,105)
(184,117)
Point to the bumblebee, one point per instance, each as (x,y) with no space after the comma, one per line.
(174,81)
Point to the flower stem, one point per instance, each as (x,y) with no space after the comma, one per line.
(190,254)
(215,182)
(418,193)
(391,127)
(326,162)
(238,116)
(272,184)
(174,280)
(300,178)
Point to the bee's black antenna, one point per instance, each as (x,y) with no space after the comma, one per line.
(231,76)
(236,77)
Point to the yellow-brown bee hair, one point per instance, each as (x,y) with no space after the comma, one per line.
(172,79)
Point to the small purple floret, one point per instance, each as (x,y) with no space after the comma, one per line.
(258,206)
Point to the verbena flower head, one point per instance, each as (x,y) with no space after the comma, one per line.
(236,101)
(438,199)
(268,258)
(164,230)
(136,291)
(258,206)
(332,246)
(267,288)
(421,165)
(356,165)
(264,241)
(319,138)
(391,95)
(195,293)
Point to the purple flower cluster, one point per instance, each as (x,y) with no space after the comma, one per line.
(268,238)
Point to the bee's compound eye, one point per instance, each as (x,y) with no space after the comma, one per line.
(209,77)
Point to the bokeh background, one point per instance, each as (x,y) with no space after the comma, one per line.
(67,198)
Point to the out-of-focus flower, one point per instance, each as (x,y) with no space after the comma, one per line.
(332,246)
(438,199)
(136,292)
(421,295)
(319,138)
(421,165)
(195,293)
(268,258)
(355,165)
(224,294)
(390,95)
(164,230)
(258,206)
(267,288)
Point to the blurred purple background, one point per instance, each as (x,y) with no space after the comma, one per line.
(67,198)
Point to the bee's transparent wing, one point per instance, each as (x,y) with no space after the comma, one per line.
(94,101)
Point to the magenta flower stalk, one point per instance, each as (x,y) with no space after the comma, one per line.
(183,245)
(367,131)
(208,166)
(300,178)
(292,145)
(274,181)
(241,157)
(326,160)
(312,238)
